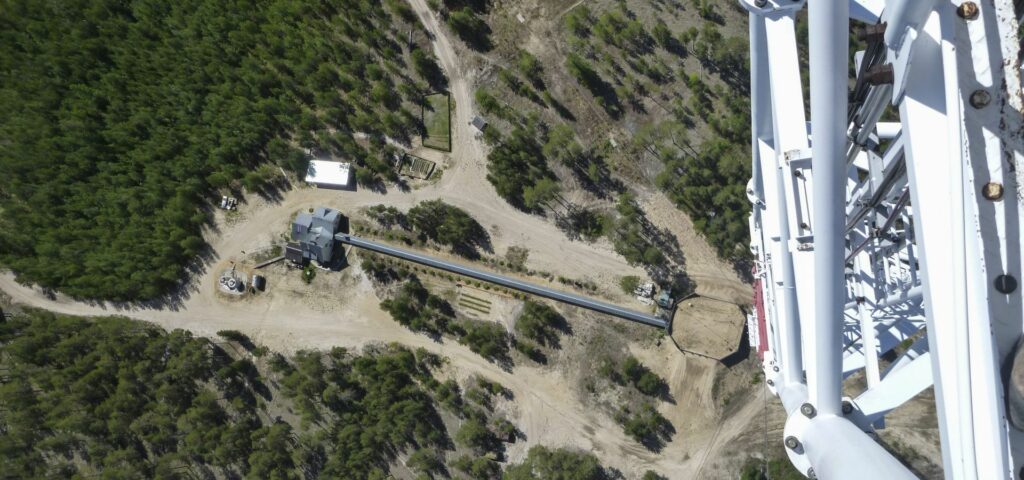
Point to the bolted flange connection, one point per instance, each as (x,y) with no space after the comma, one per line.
(967,10)
(992,191)
(792,443)
(808,410)
(980,98)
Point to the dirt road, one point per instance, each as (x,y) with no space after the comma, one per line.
(547,408)
(463,183)
(714,277)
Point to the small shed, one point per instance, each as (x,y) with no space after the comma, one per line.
(479,123)
(327,174)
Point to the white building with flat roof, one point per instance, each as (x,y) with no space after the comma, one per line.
(327,174)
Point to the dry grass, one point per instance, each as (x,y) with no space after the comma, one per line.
(437,121)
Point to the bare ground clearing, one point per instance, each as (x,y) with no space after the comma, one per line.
(340,309)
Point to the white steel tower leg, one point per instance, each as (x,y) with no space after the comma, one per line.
(828,23)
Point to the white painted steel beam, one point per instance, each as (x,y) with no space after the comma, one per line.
(921,246)
(895,389)
(829,49)
(789,134)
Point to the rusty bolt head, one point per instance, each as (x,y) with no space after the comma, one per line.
(980,98)
(992,191)
(967,10)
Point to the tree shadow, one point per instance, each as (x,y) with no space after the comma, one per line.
(579,223)
(595,177)
(372,183)
(272,191)
(477,240)
(661,436)
(533,353)
(561,109)
(471,29)
(174,300)
(675,47)
(402,185)
(743,267)
(637,104)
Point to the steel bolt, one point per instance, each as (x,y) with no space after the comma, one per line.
(810,474)
(980,98)
(792,443)
(992,191)
(1006,283)
(771,382)
(760,3)
(967,10)
(847,408)
(775,368)
(808,410)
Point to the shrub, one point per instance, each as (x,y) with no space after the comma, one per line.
(448,225)
(646,381)
(542,462)
(475,434)
(425,460)
(629,283)
(237,337)
(486,339)
(470,28)
(530,350)
(516,257)
(531,68)
(415,307)
(479,468)
(538,322)
(646,425)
